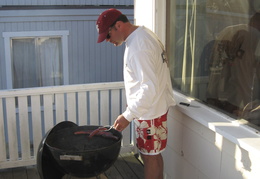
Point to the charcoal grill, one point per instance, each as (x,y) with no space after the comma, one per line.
(61,152)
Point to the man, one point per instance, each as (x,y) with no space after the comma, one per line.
(147,83)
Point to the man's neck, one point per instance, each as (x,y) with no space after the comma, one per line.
(130,28)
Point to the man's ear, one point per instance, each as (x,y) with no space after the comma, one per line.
(118,24)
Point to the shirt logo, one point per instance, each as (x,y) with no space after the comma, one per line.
(164,57)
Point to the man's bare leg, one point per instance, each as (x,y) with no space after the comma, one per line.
(153,166)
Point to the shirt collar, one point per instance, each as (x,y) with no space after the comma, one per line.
(130,38)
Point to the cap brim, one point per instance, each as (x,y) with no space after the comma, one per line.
(102,36)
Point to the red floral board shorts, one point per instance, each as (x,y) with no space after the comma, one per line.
(151,135)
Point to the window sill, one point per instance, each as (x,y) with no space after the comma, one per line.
(230,128)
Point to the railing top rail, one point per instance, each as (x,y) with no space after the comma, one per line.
(60,89)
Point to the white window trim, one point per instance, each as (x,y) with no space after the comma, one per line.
(154,18)
(7,39)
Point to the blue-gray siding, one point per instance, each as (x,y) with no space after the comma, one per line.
(66,2)
(88,61)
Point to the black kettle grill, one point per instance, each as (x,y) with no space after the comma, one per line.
(61,152)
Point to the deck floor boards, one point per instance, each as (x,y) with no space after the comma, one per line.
(127,166)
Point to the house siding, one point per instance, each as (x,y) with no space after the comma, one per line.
(65,2)
(88,61)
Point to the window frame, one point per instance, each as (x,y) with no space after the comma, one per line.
(171,9)
(8,36)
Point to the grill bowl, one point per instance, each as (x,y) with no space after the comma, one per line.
(79,156)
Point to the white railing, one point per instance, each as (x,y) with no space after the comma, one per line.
(27,114)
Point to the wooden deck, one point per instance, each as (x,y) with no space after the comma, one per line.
(126,167)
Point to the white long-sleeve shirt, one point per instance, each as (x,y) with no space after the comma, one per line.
(146,75)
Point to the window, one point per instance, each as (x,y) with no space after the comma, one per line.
(214,48)
(36,59)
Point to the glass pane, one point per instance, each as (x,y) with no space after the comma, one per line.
(37,62)
(23,63)
(214,49)
(49,61)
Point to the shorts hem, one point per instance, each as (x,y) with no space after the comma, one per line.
(151,153)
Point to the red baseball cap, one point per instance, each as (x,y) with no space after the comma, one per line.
(105,20)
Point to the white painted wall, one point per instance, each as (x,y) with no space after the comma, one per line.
(205,144)
(144,13)
(202,143)
(149,14)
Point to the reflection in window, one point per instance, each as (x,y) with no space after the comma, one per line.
(215,54)
(36,62)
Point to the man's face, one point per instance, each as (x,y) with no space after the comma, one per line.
(114,35)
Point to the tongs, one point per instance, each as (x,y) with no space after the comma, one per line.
(108,127)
